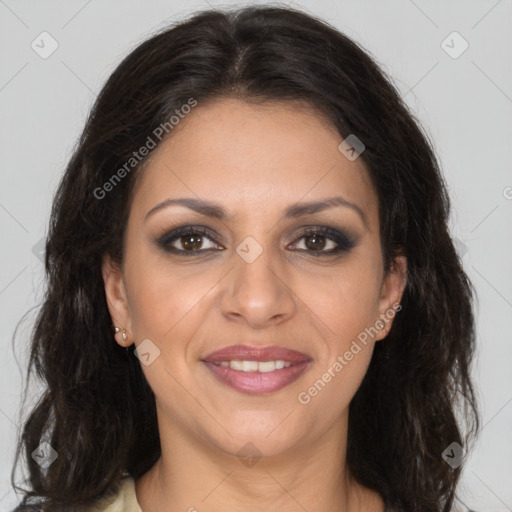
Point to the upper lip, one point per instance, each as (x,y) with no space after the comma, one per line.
(250,353)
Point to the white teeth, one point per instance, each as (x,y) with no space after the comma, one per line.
(236,365)
(256,366)
(249,366)
(267,366)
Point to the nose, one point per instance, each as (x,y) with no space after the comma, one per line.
(258,292)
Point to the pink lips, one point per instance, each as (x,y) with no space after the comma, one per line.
(257,382)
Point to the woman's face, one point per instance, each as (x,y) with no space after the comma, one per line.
(252,277)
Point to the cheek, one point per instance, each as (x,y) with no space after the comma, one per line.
(344,360)
(332,388)
(165,299)
(344,301)
(349,312)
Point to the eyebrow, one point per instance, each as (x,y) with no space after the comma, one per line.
(216,211)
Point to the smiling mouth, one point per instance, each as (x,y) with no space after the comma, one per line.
(256,370)
(255,366)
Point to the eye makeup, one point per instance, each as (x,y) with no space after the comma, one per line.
(189,240)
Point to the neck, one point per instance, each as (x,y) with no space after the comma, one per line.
(195,476)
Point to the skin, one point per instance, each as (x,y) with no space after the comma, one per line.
(255,161)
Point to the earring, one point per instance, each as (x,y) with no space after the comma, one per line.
(116,330)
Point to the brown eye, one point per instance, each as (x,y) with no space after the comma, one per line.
(323,241)
(192,241)
(188,240)
(316,242)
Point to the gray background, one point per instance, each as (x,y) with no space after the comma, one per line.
(465,103)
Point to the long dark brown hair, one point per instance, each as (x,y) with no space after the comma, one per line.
(97,410)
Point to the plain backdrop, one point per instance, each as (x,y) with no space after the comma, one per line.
(463,97)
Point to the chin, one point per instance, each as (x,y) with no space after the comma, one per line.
(256,436)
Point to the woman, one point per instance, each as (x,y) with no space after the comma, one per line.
(253,301)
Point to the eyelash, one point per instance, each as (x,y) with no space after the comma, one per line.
(344,242)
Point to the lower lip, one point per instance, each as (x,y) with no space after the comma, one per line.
(257,383)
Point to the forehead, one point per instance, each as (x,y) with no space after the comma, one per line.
(253,156)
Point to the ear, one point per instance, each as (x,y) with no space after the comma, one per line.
(391,294)
(117,299)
